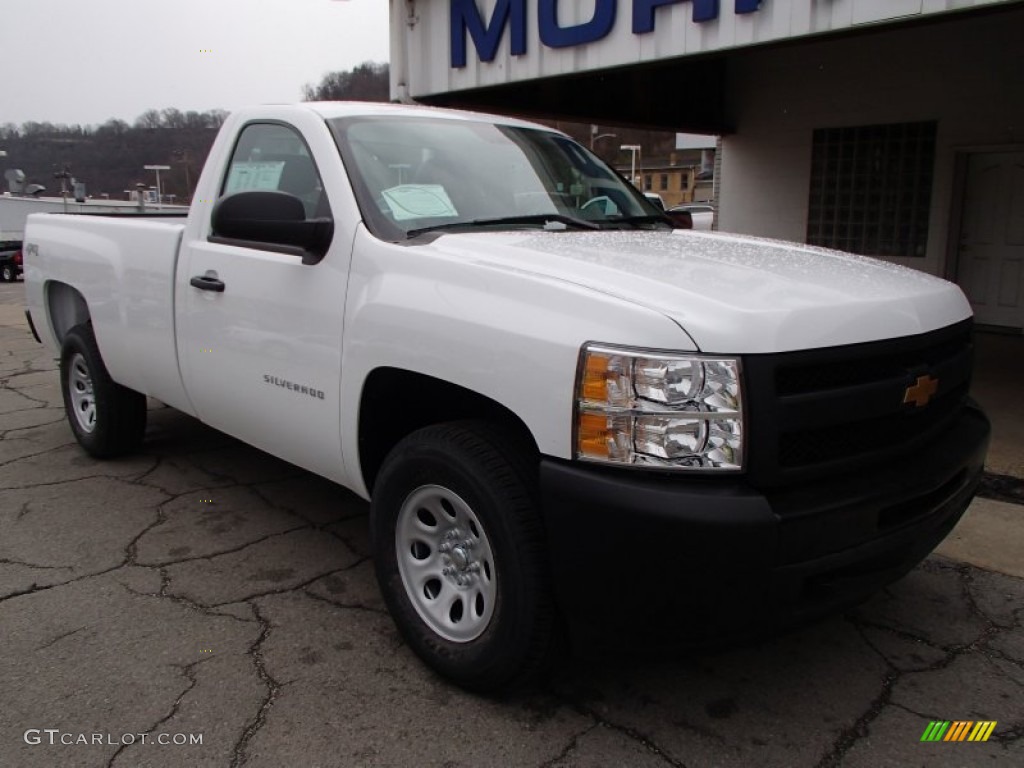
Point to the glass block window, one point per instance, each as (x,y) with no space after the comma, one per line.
(871,188)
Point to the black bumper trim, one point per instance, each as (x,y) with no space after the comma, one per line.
(701,559)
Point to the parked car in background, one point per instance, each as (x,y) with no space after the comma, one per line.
(680,219)
(702,214)
(655,198)
(10,262)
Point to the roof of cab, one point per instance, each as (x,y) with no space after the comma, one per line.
(333,109)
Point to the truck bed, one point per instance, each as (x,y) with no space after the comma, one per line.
(124,267)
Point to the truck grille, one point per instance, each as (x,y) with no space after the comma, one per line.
(833,410)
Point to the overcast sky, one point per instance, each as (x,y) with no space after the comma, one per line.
(85,61)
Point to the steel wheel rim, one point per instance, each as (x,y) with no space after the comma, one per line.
(446,563)
(83,401)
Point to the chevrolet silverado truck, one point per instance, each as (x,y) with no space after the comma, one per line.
(570,419)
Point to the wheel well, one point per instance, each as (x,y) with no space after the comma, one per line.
(66,308)
(396,403)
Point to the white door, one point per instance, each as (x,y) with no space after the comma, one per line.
(991,249)
(259,332)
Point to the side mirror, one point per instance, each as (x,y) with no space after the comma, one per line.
(263,218)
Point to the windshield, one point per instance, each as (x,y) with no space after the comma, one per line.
(415,174)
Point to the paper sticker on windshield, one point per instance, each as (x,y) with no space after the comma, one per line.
(419,201)
(244,177)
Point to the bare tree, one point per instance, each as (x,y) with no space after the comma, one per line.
(172,118)
(33,128)
(216,117)
(114,127)
(150,119)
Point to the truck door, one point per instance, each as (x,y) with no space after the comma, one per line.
(259,332)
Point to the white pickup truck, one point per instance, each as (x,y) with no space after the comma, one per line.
(566,414)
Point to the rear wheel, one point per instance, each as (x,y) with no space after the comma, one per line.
(106,418)
(7,273)
(460,557)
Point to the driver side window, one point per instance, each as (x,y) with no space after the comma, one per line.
(270,156)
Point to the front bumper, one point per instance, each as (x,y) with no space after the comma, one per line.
(701,559)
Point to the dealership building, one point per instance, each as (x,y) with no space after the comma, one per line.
(892,128)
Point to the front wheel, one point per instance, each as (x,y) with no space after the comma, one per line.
(460,557)
(106,418)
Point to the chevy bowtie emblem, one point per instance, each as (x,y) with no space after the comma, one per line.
(921,391)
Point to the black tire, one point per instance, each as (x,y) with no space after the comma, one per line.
(107,419)
(474,464)
(7,273)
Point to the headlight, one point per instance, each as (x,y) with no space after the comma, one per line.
(667,411)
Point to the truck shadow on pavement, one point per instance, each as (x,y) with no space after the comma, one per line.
(205,586)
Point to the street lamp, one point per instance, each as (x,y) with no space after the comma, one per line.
(634,150)
(157,168)
(184,157)
(64,174)
(594,138)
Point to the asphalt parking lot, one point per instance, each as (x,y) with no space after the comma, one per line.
(203,589)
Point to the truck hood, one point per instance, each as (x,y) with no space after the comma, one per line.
(731,294)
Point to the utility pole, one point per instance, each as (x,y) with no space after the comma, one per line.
(185,158)
(634,150)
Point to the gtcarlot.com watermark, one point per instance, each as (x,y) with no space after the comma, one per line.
(55,736)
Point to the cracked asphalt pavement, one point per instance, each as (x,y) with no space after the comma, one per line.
(205,588)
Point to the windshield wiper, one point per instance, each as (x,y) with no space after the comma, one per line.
(646,219)
(537,218)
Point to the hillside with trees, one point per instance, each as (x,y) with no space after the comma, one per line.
(366,82)
(109,158)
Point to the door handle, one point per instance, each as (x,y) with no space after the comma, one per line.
(204,283)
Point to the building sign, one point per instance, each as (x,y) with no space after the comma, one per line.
(468,23)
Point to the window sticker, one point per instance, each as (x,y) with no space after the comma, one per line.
(244,177)
(418,201)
